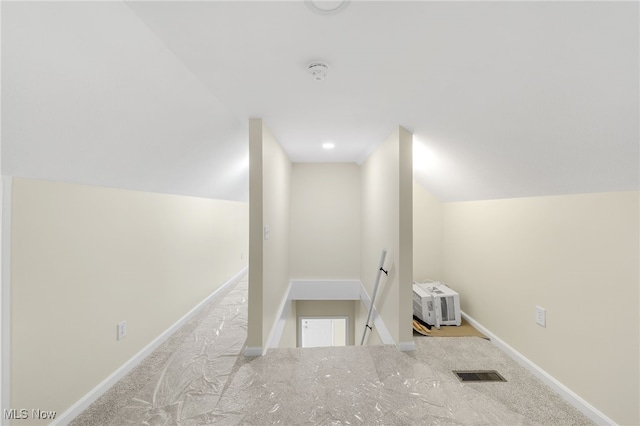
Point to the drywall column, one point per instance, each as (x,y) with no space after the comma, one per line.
(255,342)
(578,257)
(387,222)
(269,201)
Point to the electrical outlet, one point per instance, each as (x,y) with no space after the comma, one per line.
(267,232)
(122,330)
(541,316)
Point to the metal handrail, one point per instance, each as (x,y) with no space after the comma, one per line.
(375,291)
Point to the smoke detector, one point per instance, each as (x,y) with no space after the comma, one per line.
(318,70)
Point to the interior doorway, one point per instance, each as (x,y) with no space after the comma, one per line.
(314,332)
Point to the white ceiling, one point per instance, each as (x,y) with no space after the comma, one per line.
(507,99)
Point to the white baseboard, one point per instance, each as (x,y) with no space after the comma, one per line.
(77,408)
(253,351)
(406,346)
(273,341)
(567,394)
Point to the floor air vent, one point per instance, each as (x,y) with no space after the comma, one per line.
(479,376)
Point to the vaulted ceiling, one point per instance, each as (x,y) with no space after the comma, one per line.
(505,99)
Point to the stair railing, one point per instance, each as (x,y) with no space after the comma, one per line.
(375,291)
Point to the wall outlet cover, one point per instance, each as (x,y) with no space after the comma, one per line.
(122,330)
(541,316)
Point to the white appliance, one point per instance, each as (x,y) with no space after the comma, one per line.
(436,304)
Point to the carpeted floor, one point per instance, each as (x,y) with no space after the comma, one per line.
(198,377)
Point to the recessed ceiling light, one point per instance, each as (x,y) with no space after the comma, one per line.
(328,145)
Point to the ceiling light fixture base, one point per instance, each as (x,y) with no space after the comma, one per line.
(327,7)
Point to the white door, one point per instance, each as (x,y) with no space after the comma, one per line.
(317,332)
(322,332)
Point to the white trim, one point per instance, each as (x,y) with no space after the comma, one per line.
(406,346)
(306,290)
(567,394)
(107,383)
(325,290)
(5,295)
(253,351)
(273,341)
(378,322)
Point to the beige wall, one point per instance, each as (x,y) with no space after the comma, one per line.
(340,334)
(269,193)
(387,198)
(577,256)
(328,308)
(85,258)
(325,221)
(428,222)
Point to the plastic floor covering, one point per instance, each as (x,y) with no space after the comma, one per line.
(201,378)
